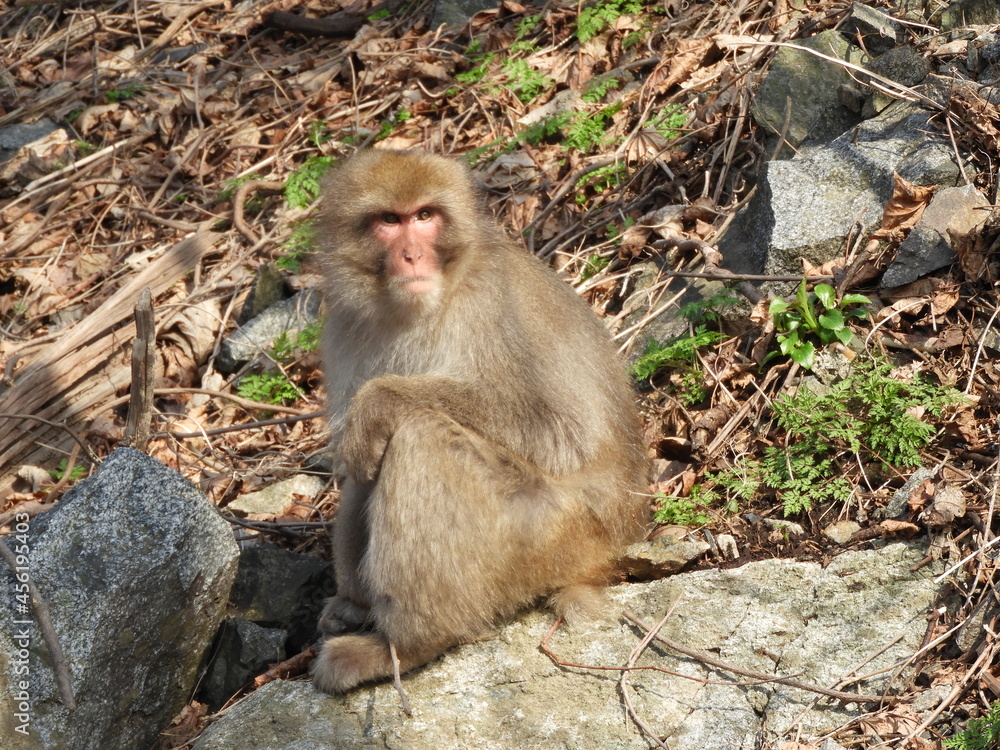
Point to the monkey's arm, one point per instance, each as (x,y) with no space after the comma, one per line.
(383,403)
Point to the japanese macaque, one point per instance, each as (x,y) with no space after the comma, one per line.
(486,425)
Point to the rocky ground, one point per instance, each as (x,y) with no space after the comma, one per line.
(181,150)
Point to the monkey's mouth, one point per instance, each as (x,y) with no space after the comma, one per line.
(416,285)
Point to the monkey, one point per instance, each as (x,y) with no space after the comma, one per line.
(487,427)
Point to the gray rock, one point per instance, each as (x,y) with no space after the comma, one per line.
(135,565)
(841,532)
(242,650)
(458,12)
(268,289)
(805,207)
(960,13)
(897,506)
(662,557)
(13,137)
(878,31)
(278,497)
(778,616)
(278,588)
(288,316)
(816,111)
(904,65)
(951,213)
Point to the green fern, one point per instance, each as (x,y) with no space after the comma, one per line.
(302,186)
(980,734)
(594,19)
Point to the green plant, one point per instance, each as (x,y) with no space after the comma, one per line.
(601,180)
(799,320)
(83,148)
(58,473)
(598,87)
(318,133)
(302,185)
(679,511)
(979,734)
(707,310)
(674,353)
(128,91)
(387,126)
(594,265)
(595,18)
(478,73)
(301,241)
(586,131)
(379,14)
(615,234)
(285,346)
(524,81)
(669,121)
(268,388)
(868,416)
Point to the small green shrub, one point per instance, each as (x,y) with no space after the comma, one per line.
(868,414)
(813,315)
(680,511)
(301,242)
(268,388)
(524,81)
(980,734)
(302,186)
(594,265)
(595,18)
(58,473)
(675,353)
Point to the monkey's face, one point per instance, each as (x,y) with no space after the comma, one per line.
(410,240)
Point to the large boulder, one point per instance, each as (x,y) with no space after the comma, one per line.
(136,567)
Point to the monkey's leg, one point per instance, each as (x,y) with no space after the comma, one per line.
(349,609)
(461,532)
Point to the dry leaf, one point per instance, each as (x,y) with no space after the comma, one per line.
(679,61)
(949,504)
(903,210)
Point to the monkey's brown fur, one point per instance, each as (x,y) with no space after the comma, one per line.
(487,428)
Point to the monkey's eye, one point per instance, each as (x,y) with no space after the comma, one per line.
(390,218)
(424,214)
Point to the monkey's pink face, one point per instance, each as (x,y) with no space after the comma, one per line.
(410,240)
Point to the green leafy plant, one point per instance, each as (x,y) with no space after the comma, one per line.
(302,186)
(594,265)
(387,126)
(601,180)
(869,414)
(301,242)
(669,121)
(286,345)
(680,511)
(586,131)
(379,14)
(318,133)
(478,73)
(979,734)
(523,80)
(128,91)
(268,388)
(616,234)
(83,148)
(708,310)
(813,315)
(598,87)
(595,18)
(58,473)
(674,353)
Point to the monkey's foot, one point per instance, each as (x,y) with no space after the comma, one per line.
(349,660)
(341,615)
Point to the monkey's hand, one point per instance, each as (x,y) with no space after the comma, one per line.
(371,421)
